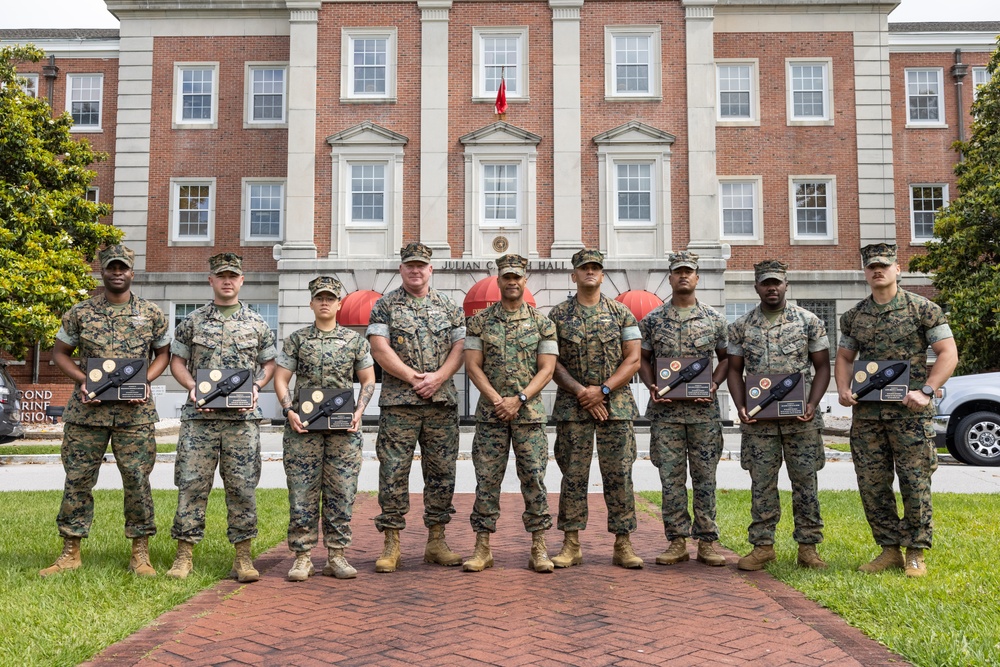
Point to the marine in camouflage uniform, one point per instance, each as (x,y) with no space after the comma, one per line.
(777,337)
(322,467)
(598,355)
(510,354)
(119,325)
(416,335)
(223,334)
(893,324)
(689,432)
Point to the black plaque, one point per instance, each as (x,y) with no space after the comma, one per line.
(111,379)
(223,388)
(880,381)
(760,389)
(669,369)
(326,409)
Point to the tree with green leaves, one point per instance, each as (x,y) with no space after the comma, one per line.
(49,231)
(965,258)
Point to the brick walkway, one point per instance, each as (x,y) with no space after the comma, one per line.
(593,614)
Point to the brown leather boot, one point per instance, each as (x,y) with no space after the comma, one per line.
(482,557)
(68,560)
(890,558)
(708,555)
(809,557)
(391,558)
(915,566)
(243,563)
(539,559)
(139,563)
(756,559)
(570,554)
(337,566)
(624,555)
(183,562)
(437,551)
(677,552)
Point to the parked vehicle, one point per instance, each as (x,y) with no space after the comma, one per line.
(10,408)
(968,421)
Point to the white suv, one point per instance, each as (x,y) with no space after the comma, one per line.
(968,420)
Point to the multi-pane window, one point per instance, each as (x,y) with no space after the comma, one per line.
(368,193)
(500,194)
(739,208)
(368,67)
(737,309)
(192,211)
(979,78)
(265,206)
(735,88)
(268,311)
(923,96)
(93,195)
(85,91)
(925,201)
(809,90)
(369,64)
(825,310)
(182,311)
(634,189)
(267,94)
(632,61)
(812,205)
(29,84)
(501,54)
(197,87)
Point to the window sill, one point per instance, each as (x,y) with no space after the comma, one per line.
(194,126)
(264,126)
(367,100)
(734,122)
(927,126)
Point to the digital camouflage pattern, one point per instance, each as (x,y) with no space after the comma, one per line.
(326,284)
(415,252)
(878,253)
(490,451)
(587,256)
(324,359)
(116,253)
(226,261)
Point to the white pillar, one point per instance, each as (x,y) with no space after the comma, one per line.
(434,125)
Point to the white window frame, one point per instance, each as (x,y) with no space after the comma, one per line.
(729,121)
(179,122)
(520,91)
(97,194)
(173,312)
(519,194)
(652,33)
(757,237)
(827,117)
(920,240)
(983,76)
(100,101)
(246,211)
(248,120)
(255,307)
(830,238)
(347,38)
(349,220)
(30,89)
(175,238)
(940,122)
(745,306)
(615,185)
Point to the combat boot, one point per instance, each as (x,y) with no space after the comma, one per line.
(891,558)
(139,563)
(915,566)
(624,554)
(183,562)
(539,560)
(809,557)
(570,554)
(243,563)
(337,566)
(756,559)
(391,558)
(302,568)
(68,560)
(482,557)
(708,555)
(677,552)
(437,551)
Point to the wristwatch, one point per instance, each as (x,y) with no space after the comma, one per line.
(605,389)
(928,390)
(522,397)
(259,389)
(285,411)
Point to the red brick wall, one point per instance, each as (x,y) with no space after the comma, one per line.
(36,397)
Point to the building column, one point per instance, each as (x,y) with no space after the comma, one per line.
(301,185)
(567,178)
(434,15)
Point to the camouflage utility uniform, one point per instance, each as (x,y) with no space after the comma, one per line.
(322,465)
(883,434)
(683,433)
(421,331)
(227,439)
(510,343)
(98,329)
(783,346)
(590,349)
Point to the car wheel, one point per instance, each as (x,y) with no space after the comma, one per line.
(977,439)
(950,443)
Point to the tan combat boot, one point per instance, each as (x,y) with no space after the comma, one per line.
(183,562)
(337,566)
(243,563)
(437,551)
(915,566)
(624,554)
(570,554)
(302,568)
(68,560)
(139,563)
(890,558)
(539,560)
(708,555)
(756,559)
(391,558)
(677,552)
(482,557)
(809,557)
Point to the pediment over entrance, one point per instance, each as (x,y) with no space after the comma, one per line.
(634,132)
(367,133)
(500,134)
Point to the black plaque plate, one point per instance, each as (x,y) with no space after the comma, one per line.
(339,403)
(700,386)
(207,379)
(98,370)
(894,392)
(759,388)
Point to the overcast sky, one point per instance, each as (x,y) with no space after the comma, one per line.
(94,14)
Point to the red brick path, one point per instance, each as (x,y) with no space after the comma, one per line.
(593,614)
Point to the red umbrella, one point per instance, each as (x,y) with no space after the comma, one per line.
(639,301)
(356,309)
(485,293)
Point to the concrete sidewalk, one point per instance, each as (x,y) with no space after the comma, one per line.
(423,615)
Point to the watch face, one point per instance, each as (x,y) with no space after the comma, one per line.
(523,397)
(605,389)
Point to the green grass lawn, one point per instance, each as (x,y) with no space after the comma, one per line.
(23,448)
(949,618)
(66,619)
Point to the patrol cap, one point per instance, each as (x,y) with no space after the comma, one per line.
(415,252)
(117,253)
(878,253)
(769,268)
(512,264)
(325,284)
(588,256)
(681,259)
(226,261)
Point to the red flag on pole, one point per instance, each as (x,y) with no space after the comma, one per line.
(501,105)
